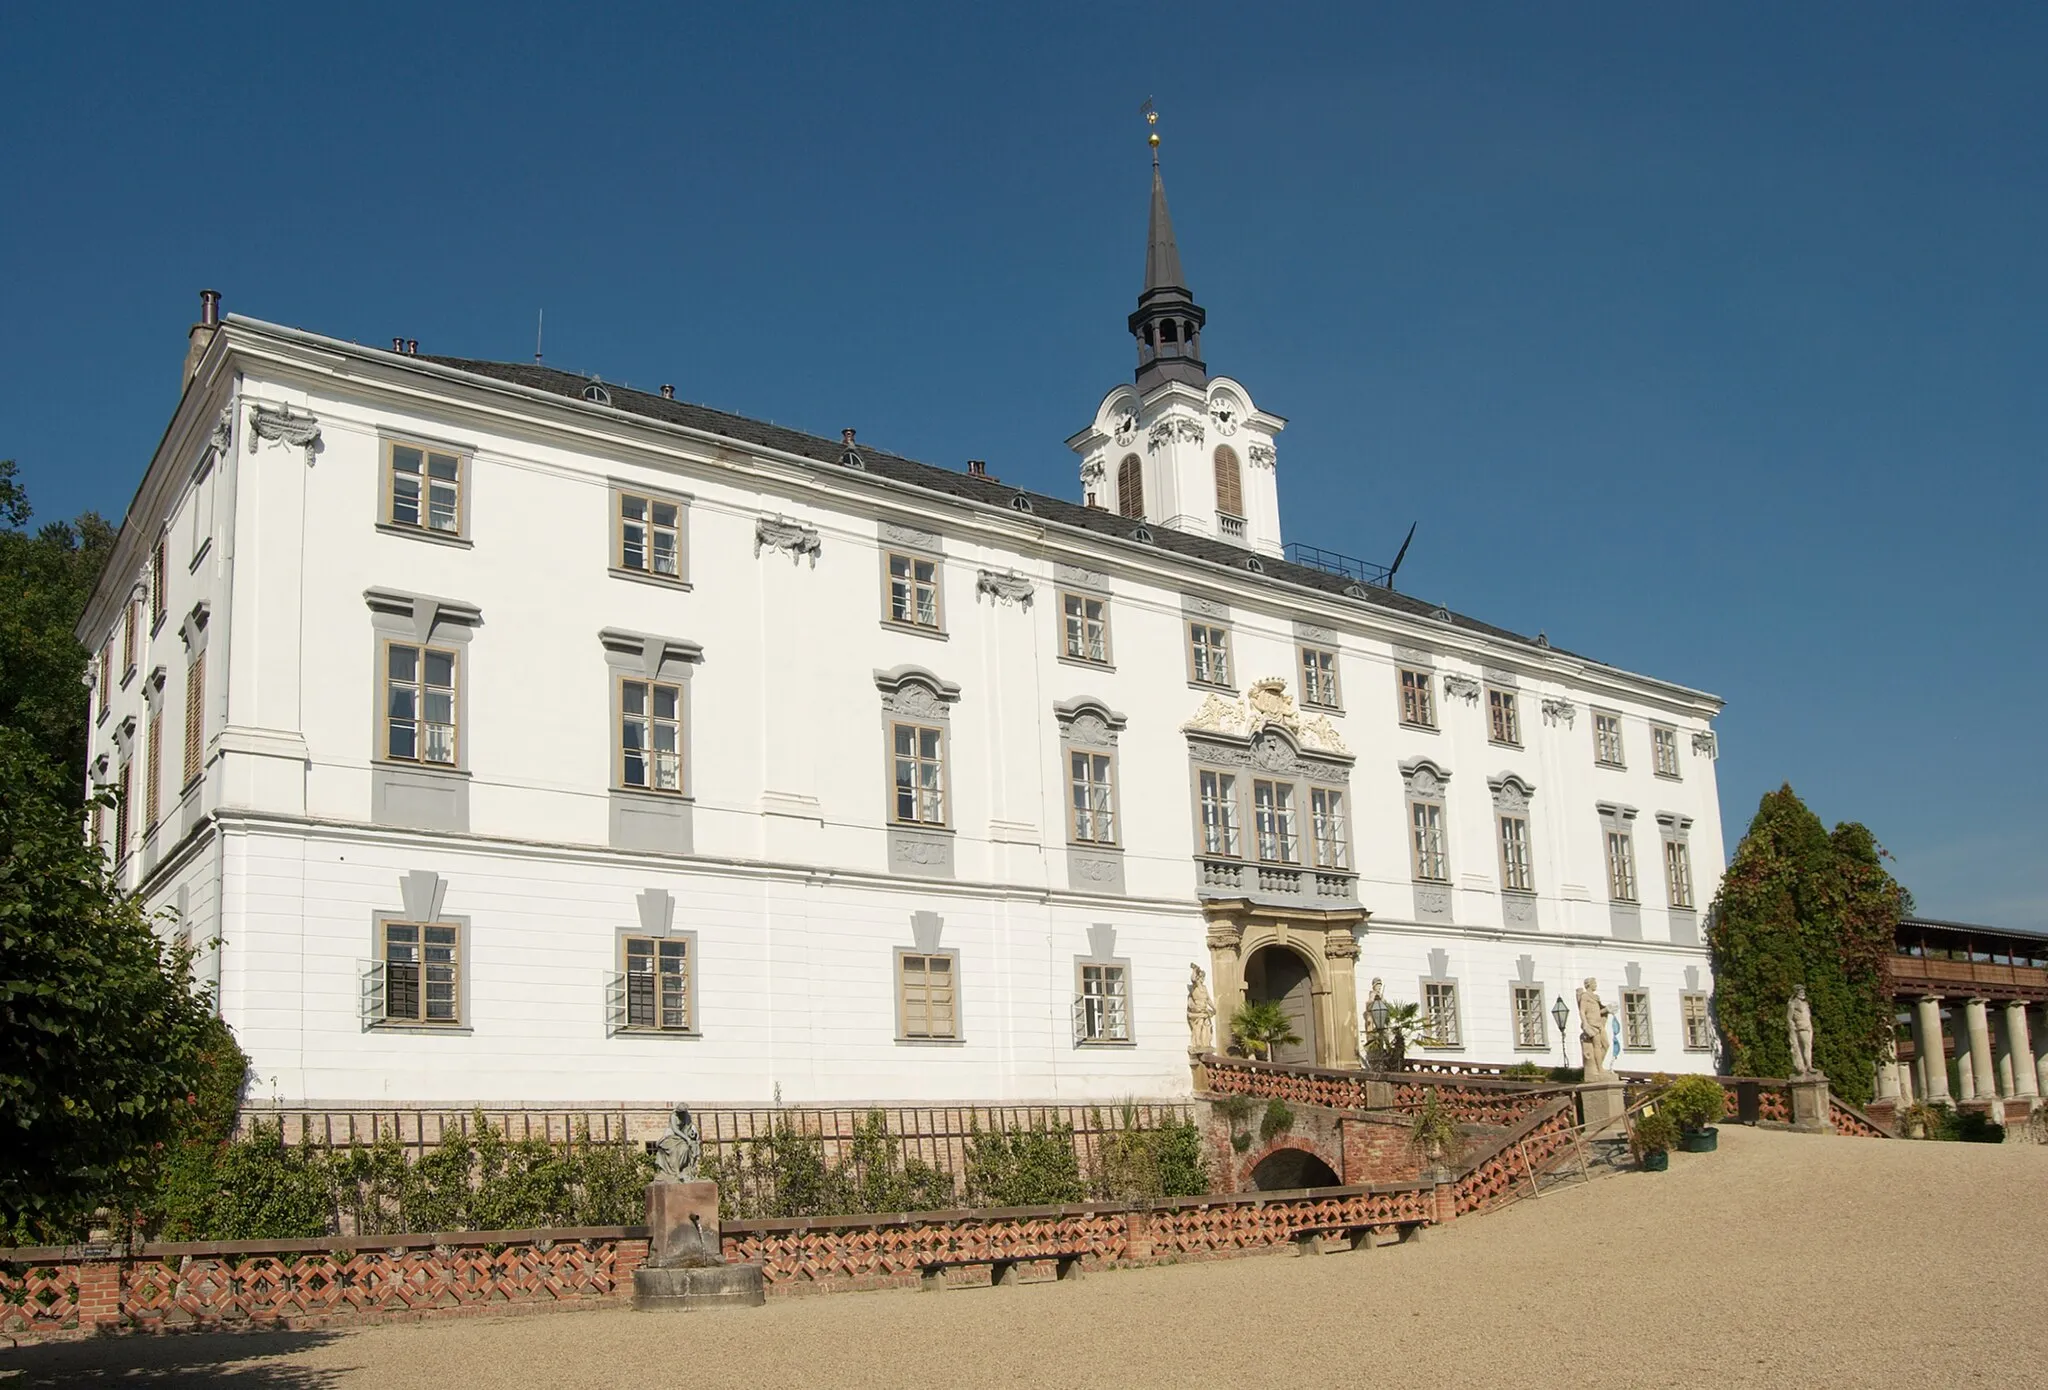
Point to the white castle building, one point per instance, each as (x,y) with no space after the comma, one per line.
(518,738)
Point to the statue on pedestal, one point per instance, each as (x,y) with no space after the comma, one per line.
(677,1153)
(1799,1031)
(1201,1013)
(1593,1041)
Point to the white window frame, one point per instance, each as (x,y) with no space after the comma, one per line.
(1091,802)
(1274,823)
(1319,687)
(919,760)
(1209,654)
(420,690)
(684,947)
(1413,687)
(1678,873)
(1329,828)
(1608,750)
(904,1033)
(1503,716)
(1620,841)
(1696,1021)
(1078,627)
(1221,828)
(1102,1017)
(915,588)
(652,531)
(1517,867)
(1528,1039)
(424,505)
(1429,853)
(1638,1032)
(1440,1007)
(1664,751)
(650,725)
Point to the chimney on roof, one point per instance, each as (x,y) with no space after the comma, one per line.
(412,347)
(201,336)
(668,392)
(846,437)
(398,346)
(977,468)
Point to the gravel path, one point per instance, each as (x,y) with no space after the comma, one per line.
(1782,1260)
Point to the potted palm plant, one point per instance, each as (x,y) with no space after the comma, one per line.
(1387,1040)
(1695,1103)
(1651,1139)
(1259,1026)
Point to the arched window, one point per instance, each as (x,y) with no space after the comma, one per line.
(1229,483)
(1130,486)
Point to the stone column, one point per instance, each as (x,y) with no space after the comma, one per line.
(1888,1074)
(1983,1076)
(1933,1049)
(1908,1093)
(2041,1054)
(2019,1046)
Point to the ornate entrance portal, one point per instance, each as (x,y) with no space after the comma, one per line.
(1306,961)
(1279,974)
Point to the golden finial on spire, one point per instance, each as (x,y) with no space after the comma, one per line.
(1152,120)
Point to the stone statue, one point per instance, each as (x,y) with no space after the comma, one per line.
(1799,1028)
(1201,1013)
(1370,1043)
(675,1157)
(1593,1032)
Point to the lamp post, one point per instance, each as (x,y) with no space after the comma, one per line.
(1563,1015)
(1378,1012)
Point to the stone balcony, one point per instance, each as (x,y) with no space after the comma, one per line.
(1290,884)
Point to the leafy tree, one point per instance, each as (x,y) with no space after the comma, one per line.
(46,578)
(1802,906)
(1260,1026)
(1386,1045)
(102,1040)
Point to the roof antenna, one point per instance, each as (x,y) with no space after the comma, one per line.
(1402,555)
(539,324)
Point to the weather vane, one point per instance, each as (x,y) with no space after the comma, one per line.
(1151,119)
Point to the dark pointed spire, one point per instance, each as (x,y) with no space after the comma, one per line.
(1168,322)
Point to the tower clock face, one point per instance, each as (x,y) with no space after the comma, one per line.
(1225,415)
(1126,426)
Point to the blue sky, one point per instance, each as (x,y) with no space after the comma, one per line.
(1707,339)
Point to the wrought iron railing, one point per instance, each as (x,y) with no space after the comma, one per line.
(1332,562)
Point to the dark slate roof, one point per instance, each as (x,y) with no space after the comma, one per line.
(1973,928)
(828,452)
(1162,252)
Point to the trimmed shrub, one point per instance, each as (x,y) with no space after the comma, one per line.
(1694,1101)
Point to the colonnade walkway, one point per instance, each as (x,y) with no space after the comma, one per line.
(1999,1049)
(1775,1262)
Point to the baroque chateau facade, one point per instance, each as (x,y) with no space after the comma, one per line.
(504,736)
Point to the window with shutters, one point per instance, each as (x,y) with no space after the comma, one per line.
(658,983)
(913,583)
(1102,1006)
(159,564)
(1699,1031)
(123,808)
(153,767)
(195,716)
(647,537)
(1085,628)
(920,774)
(420,705)
(422,972)
(650,736)
(1418,706)
(1503,720)
(1229,486)
(1209,654)
(106,680)
(928,994)
(1529,1020)
(1319,677)
(1635,1021)
(1130,487)
(423,489)
(127,641)
(1217,793)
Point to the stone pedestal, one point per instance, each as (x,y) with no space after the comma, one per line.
(1810,1104)
(1601,1104)
(686,1267)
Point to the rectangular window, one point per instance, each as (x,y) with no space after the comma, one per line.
(1208,654)
(1515,873)
(1319,677)
(1635,1020)
(1273,820)
(1104,1016)
(914,591)
(419,707)
(1699,1033)
(658,983)
(1219,814)
(422,969)
(159,561)
(928,996)
(99,825)
(1607,739)
(152,798)
(1086,633)
(127,641)
(195,717)
(1440,1013)
(1621,866)
(122,808)
(106,676)
(920,774)
(1664,750)
(1529,1029)
(1333,842)
(1417,706)
(1503,721)
(1094,798)
(651,736)
(426,489)
(1678,872)
(650,535)
(1426,820)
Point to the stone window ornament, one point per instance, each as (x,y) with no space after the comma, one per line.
(282,427)
(1005,588)
(1704,742)
(779,533)
(1556,711)
(1462,687)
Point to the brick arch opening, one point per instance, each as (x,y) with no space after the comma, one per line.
(1287,1168)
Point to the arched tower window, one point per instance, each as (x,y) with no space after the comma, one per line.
(1229,482)
(1130,486)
